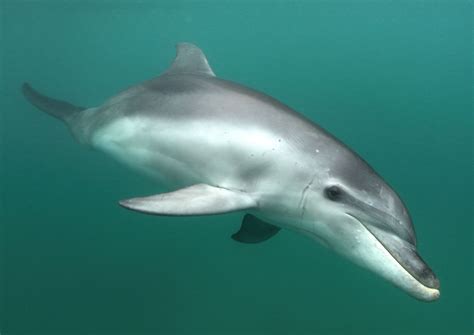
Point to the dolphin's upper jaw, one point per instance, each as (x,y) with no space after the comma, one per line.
(414,275)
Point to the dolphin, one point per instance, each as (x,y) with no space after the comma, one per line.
(221,147)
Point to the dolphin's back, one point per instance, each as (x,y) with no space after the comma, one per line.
(185,97)
(190,128)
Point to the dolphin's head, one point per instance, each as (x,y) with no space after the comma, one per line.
(353,211)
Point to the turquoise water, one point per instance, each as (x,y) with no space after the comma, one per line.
(391,79)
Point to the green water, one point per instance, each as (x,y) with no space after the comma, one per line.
(391,79)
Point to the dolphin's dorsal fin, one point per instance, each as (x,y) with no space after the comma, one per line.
(199,199)
(190,59)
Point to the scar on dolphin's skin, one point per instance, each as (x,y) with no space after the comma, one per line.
(221,147)
(302,203)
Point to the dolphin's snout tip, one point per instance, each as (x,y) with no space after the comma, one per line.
(432,296)
(424,293)
(427,294)
(125,203)
(421,271)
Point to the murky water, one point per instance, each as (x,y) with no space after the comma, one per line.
(393,80)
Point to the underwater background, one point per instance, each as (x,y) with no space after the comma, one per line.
(392,79)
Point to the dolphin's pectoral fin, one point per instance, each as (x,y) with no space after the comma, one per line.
(254,230)
(199,199)
(190,59)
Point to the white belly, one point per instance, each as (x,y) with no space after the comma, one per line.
(137,144)
(178,154)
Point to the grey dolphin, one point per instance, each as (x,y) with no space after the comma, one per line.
(223,147)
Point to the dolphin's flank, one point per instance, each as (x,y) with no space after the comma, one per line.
(222,147)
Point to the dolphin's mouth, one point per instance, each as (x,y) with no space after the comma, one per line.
(404,253)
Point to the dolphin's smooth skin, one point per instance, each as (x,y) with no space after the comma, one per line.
(223,147)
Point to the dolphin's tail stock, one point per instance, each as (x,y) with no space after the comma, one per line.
(57,108)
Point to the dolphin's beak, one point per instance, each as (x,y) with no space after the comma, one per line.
(404,252)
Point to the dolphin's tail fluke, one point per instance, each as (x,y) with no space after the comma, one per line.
(57,108)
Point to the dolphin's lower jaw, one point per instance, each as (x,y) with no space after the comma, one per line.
(377,258)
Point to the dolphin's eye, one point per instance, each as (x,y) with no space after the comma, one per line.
(333,193)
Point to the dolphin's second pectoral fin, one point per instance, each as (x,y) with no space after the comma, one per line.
(199,199)
(254,230)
